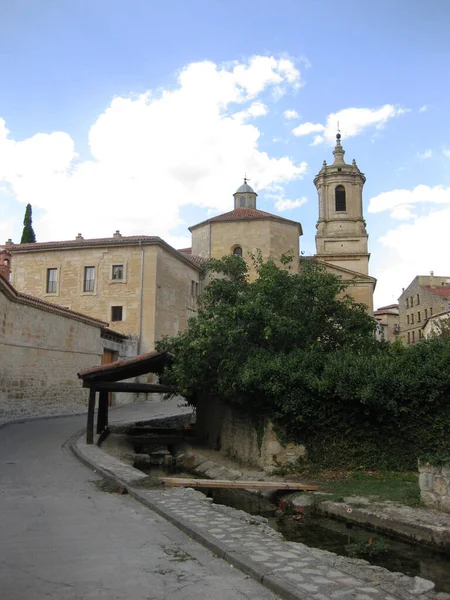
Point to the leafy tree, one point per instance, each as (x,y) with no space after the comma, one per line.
(247,333)
(294,348)
(28,235)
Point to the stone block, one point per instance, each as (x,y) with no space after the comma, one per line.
(429,499)
(440,486)
(426,481)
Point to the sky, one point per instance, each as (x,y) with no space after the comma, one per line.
(144,116)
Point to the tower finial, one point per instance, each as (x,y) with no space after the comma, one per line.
(246,179)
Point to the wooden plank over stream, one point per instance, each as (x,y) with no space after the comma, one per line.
(242,485)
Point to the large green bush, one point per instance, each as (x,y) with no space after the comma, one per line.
(293,348)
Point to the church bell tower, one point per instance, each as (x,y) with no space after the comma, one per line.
(341,237)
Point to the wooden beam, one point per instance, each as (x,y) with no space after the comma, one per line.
(102,415)
(247,485)
(113,386)
(90,417)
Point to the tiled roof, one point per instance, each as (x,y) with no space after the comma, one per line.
(389,306)
(47,306)
(246,214)
(152,362)
(185,250)
(125,240)
(198,260)
(443,291)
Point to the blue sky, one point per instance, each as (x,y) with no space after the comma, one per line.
(144,116)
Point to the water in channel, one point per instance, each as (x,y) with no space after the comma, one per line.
(335,536)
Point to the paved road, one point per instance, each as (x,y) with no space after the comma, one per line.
(63,538)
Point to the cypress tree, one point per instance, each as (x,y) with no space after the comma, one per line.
(28,235)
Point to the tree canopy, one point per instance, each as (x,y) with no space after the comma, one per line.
(28,235)
(294,348)
(249,336)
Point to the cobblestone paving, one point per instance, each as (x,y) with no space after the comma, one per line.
(302,571)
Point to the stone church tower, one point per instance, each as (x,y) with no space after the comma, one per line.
(341,238)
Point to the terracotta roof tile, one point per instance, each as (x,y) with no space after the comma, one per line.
(246,214)
(151,362)
(48,306)
(443,291)
(125,240)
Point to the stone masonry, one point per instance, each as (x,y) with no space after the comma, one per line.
(42,347)
(435,486)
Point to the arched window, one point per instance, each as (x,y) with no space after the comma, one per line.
(339,195)
(242,201)
(237,251)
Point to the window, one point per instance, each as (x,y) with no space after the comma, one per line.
(431,310)
(339,195)
(194,289)
(411,302)
(51,281)
(412,319)
(89,279)
(418,317)
(407,319)
(409,338)
(407,303)
(413,337)
(242,201)
(117,272)
(418,299)
(116,313)
(237,251)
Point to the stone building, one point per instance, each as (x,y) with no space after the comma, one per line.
(139,284)
(425,296)
(388,319)
(246,230)
(145,288)
(342,239)
(42,346)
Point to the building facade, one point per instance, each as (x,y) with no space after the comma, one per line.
(388,319)
(146,289)
(425,296)
(140,285)
(342,238)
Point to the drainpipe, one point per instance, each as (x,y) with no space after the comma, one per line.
(141,294)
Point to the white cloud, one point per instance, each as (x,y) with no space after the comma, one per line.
(416,247)
(352,121)
(421,194)
(424,108)
(285,204)
(154,153)
(446,152)
(307,128)
(425,155)
(291,114)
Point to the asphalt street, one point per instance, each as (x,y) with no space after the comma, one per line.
(64,538)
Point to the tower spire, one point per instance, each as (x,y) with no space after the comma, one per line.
(338,151)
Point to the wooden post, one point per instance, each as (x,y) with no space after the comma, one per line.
(102,415)
(90,417)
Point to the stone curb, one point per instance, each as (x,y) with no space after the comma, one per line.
(130,478)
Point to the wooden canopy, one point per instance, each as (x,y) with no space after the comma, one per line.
(109,378)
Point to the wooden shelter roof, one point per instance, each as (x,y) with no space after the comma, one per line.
(152,362)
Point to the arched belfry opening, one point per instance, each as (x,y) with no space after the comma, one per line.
(339,199)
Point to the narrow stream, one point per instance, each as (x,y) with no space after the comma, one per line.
(317,531)
(336,536)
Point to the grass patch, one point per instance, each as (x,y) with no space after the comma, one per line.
(402,488)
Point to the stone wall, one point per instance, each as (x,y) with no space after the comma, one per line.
(244,439)
(435,486)
(42,347)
